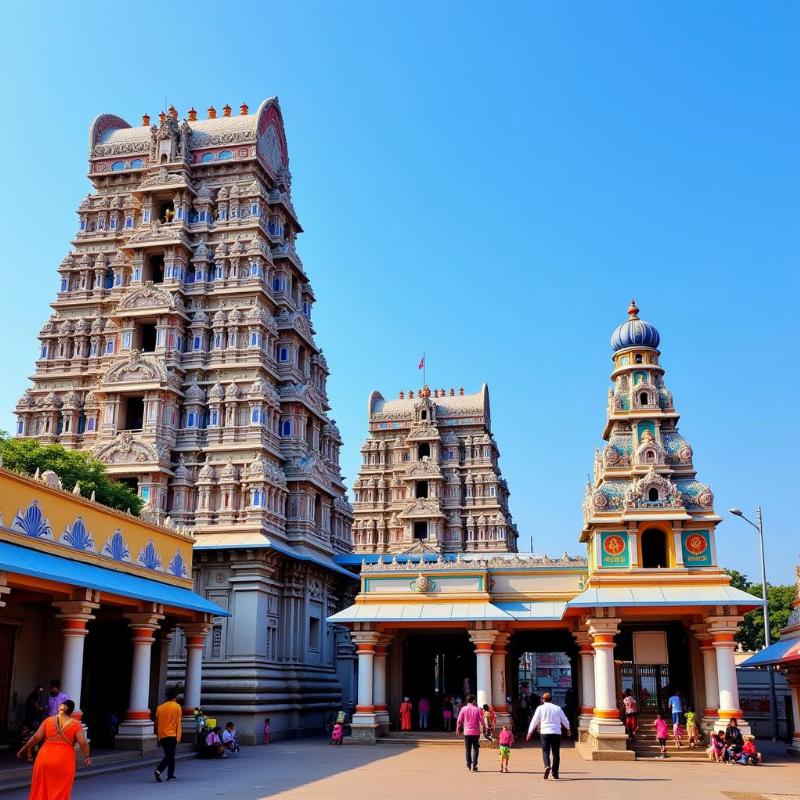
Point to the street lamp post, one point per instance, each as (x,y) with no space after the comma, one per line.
(759,526)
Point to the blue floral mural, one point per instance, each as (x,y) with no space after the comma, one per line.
(32,522)
(177,566)
(77,536)
(116,547)
(149,557)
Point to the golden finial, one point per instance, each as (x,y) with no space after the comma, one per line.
(633,311)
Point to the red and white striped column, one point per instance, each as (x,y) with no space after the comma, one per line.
(137,731)
(75,614)
(365,722)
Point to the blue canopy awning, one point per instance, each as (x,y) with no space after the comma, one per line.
(27,561)
(781,652)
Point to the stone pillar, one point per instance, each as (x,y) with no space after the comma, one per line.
(137,731)
(195,633)
(483,639)
(586,654)
(499,684)
(365,723)
(606,736)
(75,614)
(723,630)
(379,698)
(710,684)
(793,679)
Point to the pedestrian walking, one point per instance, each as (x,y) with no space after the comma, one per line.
(692,730)
(35,708)
(54,768)
(424,708)
(631,713)
(489,723)
(550,719)
(447,713)
(55,698)
(470,720)
(168,733)
(662,729)
(405,714)
(505,742)
(675,704)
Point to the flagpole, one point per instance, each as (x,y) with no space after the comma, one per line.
(424,369)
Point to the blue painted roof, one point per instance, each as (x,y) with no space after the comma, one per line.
(37,564)
(780,652)
(634,332)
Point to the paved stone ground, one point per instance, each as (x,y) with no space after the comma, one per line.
(306,769)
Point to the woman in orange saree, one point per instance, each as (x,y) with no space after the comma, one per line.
(405,714)
(54,768)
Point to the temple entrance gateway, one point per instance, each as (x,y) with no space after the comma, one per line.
(436,665)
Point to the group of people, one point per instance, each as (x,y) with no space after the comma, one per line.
(549,718)
(450,706)
(731,747)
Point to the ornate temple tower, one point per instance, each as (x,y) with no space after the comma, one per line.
(181,353)
(644,477)
(430,476)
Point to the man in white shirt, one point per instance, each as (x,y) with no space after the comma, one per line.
(550,718)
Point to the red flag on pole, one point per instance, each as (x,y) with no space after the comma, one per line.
(421,363)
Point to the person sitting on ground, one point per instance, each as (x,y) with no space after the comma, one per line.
(662,731)
(213,744)
(749,755)
(733,740)
(505,742)
(337,734)
(716,749)
(230,738)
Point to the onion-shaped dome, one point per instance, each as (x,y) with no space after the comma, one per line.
(634,332)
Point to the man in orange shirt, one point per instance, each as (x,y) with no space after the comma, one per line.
(168,731)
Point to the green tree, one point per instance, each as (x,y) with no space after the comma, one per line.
(72,466)
(779,603)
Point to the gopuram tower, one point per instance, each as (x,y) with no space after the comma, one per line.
(181,353)
(430,477)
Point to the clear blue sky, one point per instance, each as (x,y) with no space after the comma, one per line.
(490,184)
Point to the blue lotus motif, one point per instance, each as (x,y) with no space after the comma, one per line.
(116,548)
(78,537)
(32,522)
(149,557)
(177,566)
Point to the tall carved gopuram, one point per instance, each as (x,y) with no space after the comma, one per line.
(181,353)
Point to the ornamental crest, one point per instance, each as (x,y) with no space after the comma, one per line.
(422,583)
(137,368)
(148,296)
(126,449)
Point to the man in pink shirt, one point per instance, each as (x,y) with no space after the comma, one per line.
(470,719)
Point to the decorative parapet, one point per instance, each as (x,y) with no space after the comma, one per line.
(513,561)
(41,515)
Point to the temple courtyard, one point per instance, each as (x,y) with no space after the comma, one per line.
(311,768)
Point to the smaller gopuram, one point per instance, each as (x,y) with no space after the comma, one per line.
(430,477)
(645,609)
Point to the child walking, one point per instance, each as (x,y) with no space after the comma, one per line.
(691,727)
(662,731)
(505,742)
(489,723)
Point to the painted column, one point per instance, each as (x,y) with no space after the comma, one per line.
(499,684)
(365,724)
(606,731)
(793,679)
(586,654)
(723,630)
(379,699)
(710,683)
(483,640)
(75,614)
(195,633)
(137,732)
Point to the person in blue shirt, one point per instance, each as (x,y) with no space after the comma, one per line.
(676,707)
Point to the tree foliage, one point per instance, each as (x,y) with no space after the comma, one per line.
(779,603)
(72,466)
